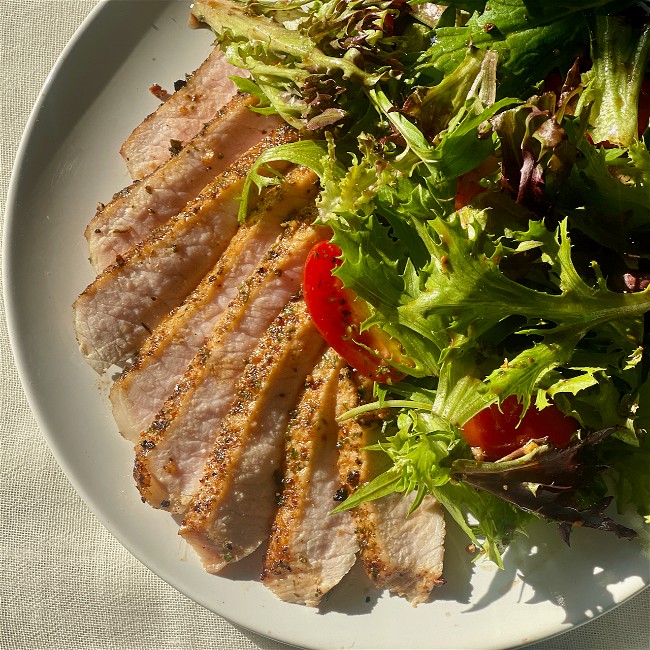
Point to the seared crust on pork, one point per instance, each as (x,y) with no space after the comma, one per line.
(134,212)
(171,454)
(232,512)
(400,552)
(181,117)
(143,387)
(310,550)
(119,310)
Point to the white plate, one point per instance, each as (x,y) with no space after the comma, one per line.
(67,162)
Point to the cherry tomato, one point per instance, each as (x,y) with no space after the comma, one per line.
(468,184)
(467,189)
(338,313)
(497,432)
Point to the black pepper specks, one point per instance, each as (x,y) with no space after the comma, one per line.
(175,147)
(341,494)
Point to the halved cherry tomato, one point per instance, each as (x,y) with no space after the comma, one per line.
(498,432)
(468,185)
(338,313)
(467,189)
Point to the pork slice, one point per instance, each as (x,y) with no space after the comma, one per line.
(135,211)
(180,117)
(232,512)
(119,310)
(143,387)
(400,552)
(171,453)
(310,550)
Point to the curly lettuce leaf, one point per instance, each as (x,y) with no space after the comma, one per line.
(307,153)
(486,302)
(422,455)
(286,63)
(554,484)
(607,194)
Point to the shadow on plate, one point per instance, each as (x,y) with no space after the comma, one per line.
(575,578)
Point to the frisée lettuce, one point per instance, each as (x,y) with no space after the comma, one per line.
(535,284)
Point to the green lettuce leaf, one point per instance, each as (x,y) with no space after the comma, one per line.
(619,54)
(508,295)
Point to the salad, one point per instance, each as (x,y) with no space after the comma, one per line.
(485,172)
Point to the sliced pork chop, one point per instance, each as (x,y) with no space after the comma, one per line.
(143,387)
(232,512)
(181,117)
(310,550)
(119,310)
(134,212)
(400,552)
(171,453)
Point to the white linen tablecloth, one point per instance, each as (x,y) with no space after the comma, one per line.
(65,582)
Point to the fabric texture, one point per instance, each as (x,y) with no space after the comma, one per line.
(66,583)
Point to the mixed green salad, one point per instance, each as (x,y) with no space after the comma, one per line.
(485,172)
